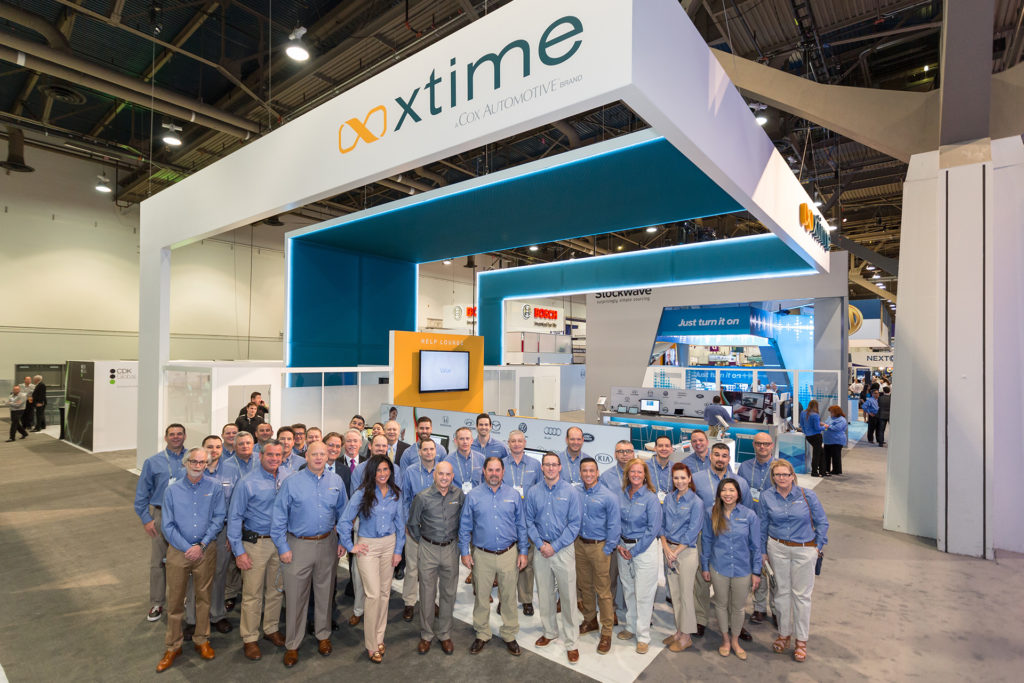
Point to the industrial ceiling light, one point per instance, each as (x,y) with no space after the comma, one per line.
(761,119)
(103,184)
(758,108)
(876,276)
(926,68)
(171,137)
(652,229)
(534,248)
(296,47)
(869,267)
(881,285)
(447,262)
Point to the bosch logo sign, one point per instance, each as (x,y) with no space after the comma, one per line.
(553,431)
(588,437)
(527,311)
(545,313)
(522,427)
(603,459)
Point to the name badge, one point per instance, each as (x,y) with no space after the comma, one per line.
(171,480)
(520,489)
(661,496)
(755,494)
(467,486)
(578,484)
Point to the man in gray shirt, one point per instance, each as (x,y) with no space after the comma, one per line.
(434,523)
(17,402)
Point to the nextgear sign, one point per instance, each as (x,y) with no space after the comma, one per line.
(557,44)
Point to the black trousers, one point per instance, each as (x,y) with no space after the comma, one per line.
(872,428)
(880,430)
(833,459)
(40,417)
(16,424)
(28,416)
(817,453)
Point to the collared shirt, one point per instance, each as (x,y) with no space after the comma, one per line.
(612,478)
(492,447)
(736,551)
(252,505)
(386,517)
(412,457)
(414,480)
(192,513)
(157,472)
(790,518)
(810,423)
(755,474)
(706,483)
(228,475)
(524,475)
(571,467)
(469,469)
(696,464)
(246,467)
(18,401)
(442,452)
(835,432)
(684,517)
(293,463)
(713,412)
(602,518)
(640,517)
(493,520)
(435,516)
(871,405)
(662,475)
(553,514)
(306,505)
(226,454)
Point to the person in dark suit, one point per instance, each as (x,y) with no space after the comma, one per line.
(262,409)
(392,431)
(882,418)
(39,403)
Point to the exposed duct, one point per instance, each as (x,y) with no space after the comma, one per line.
(16,152)
(570,135)
(53,37)
(431,176)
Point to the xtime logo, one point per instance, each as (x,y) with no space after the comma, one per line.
(811,223)
(556,45)
(623,292)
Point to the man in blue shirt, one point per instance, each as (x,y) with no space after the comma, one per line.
(599,535)
(755,473)
(287,438)
(157,472)
(424,430)
(871,410)
(249,535)
(661,466)
(306,511)
(613,477)
(522,472)
(699,458)
(227,437)
(193,514)
(717,410)
(553,518)
(264,433)
(415,478)
(572,456)
(493,520)
(467,462)
(245,459)
(485,444)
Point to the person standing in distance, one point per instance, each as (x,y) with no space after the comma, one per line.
(17,403)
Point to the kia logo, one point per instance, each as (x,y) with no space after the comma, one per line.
(603,459)
(588,437)
(553,431)
(522,427)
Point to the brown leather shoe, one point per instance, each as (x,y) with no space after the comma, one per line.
(276,638)
(424,647)
(588,626)
(558,607)
(252,651)
(477,645)
(167,660)
(605,645)
(205,651)
(573,655)
(354,620)
(615,620)
(407,613)
(543,641)
(513,647)
(447,646)
(291,658)
(324,647)
(469,579)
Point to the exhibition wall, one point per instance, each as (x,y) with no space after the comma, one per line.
(405,362)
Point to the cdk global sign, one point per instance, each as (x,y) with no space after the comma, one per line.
(553,48)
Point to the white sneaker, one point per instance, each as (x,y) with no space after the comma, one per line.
(155,613)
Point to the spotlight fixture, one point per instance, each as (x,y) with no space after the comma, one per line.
(171,136)
(876,276)
(652,229)
(926,68)
(447,262)
(103,184)
(844,220)
(817,201)
(618,248)
(881,285)
(534,248)
(296,47)
(761,119)
(869,267)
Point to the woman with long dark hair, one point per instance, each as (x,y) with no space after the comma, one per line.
(378,547)
(810,425)
(835,441)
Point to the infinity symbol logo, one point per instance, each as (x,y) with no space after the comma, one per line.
(362,130)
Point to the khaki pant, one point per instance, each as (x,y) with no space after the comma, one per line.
(701,592)
(233,585)
(487,566)
(261,591)
(730,597)
(220,573)
(680,584)
(593,579)
(639,578)
(359,601)
(438,575)
(310,568)
(526,578)
(763,597)
(411,583)
(558,574)
(794,576)
(179,570)
(376,570)
(157,553)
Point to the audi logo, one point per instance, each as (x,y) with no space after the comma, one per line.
(522,427)
(603,459)
(553,431)
(588,437)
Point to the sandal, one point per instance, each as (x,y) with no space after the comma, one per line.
(724,650)
(781,644)
(376,657)
(800,653)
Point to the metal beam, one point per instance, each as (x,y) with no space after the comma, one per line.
(966,68)
(867,284)
(889,265)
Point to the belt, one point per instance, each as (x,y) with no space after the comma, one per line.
(629,540)
(496,552)
(669,540)
(590,540)
(314,538)
(156,506)
(795,544)
(431,542)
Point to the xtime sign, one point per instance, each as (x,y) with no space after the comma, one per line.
(556,45)
(812,223)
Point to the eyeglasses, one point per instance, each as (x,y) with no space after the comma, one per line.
(783,474)
(762,443)
(193,461)
(623,450)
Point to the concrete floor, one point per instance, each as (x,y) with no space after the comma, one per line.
(74,584)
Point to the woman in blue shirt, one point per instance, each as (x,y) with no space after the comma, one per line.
(810,425)
(794,530)
(378,548)
(683,515)
(638,553)
(835,441)
(731,560)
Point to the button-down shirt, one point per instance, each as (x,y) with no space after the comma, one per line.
(696,464)
(706,483)
(17,401)
(713,412)
(492,447)
(157,471)
(553,514)
(810,423)
(755,474)
(414,480)
(306,505)
(435,516)
(602,518)
(612,479)
(493,520)
(662,476)
(411,457)
(192,513)
(790,518)
(228,474)
(524,475)
(469,469)
(293,462)
(246,467)
(683,516)
(736,551)
(571,467)
(835,432)
(871,405)
(252,505)
(640,518)
(386,517)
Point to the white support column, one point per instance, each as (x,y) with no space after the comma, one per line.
(154,343)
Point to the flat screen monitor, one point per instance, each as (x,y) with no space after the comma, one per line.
(752,400)
(679,411)
(650,405)
(633,410)
(444,371)
(441,439)
(534,453)
(621,408)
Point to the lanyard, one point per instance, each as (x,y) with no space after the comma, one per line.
(568,459)
(522,478)
(462,469)
(765,477)
(421,472)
